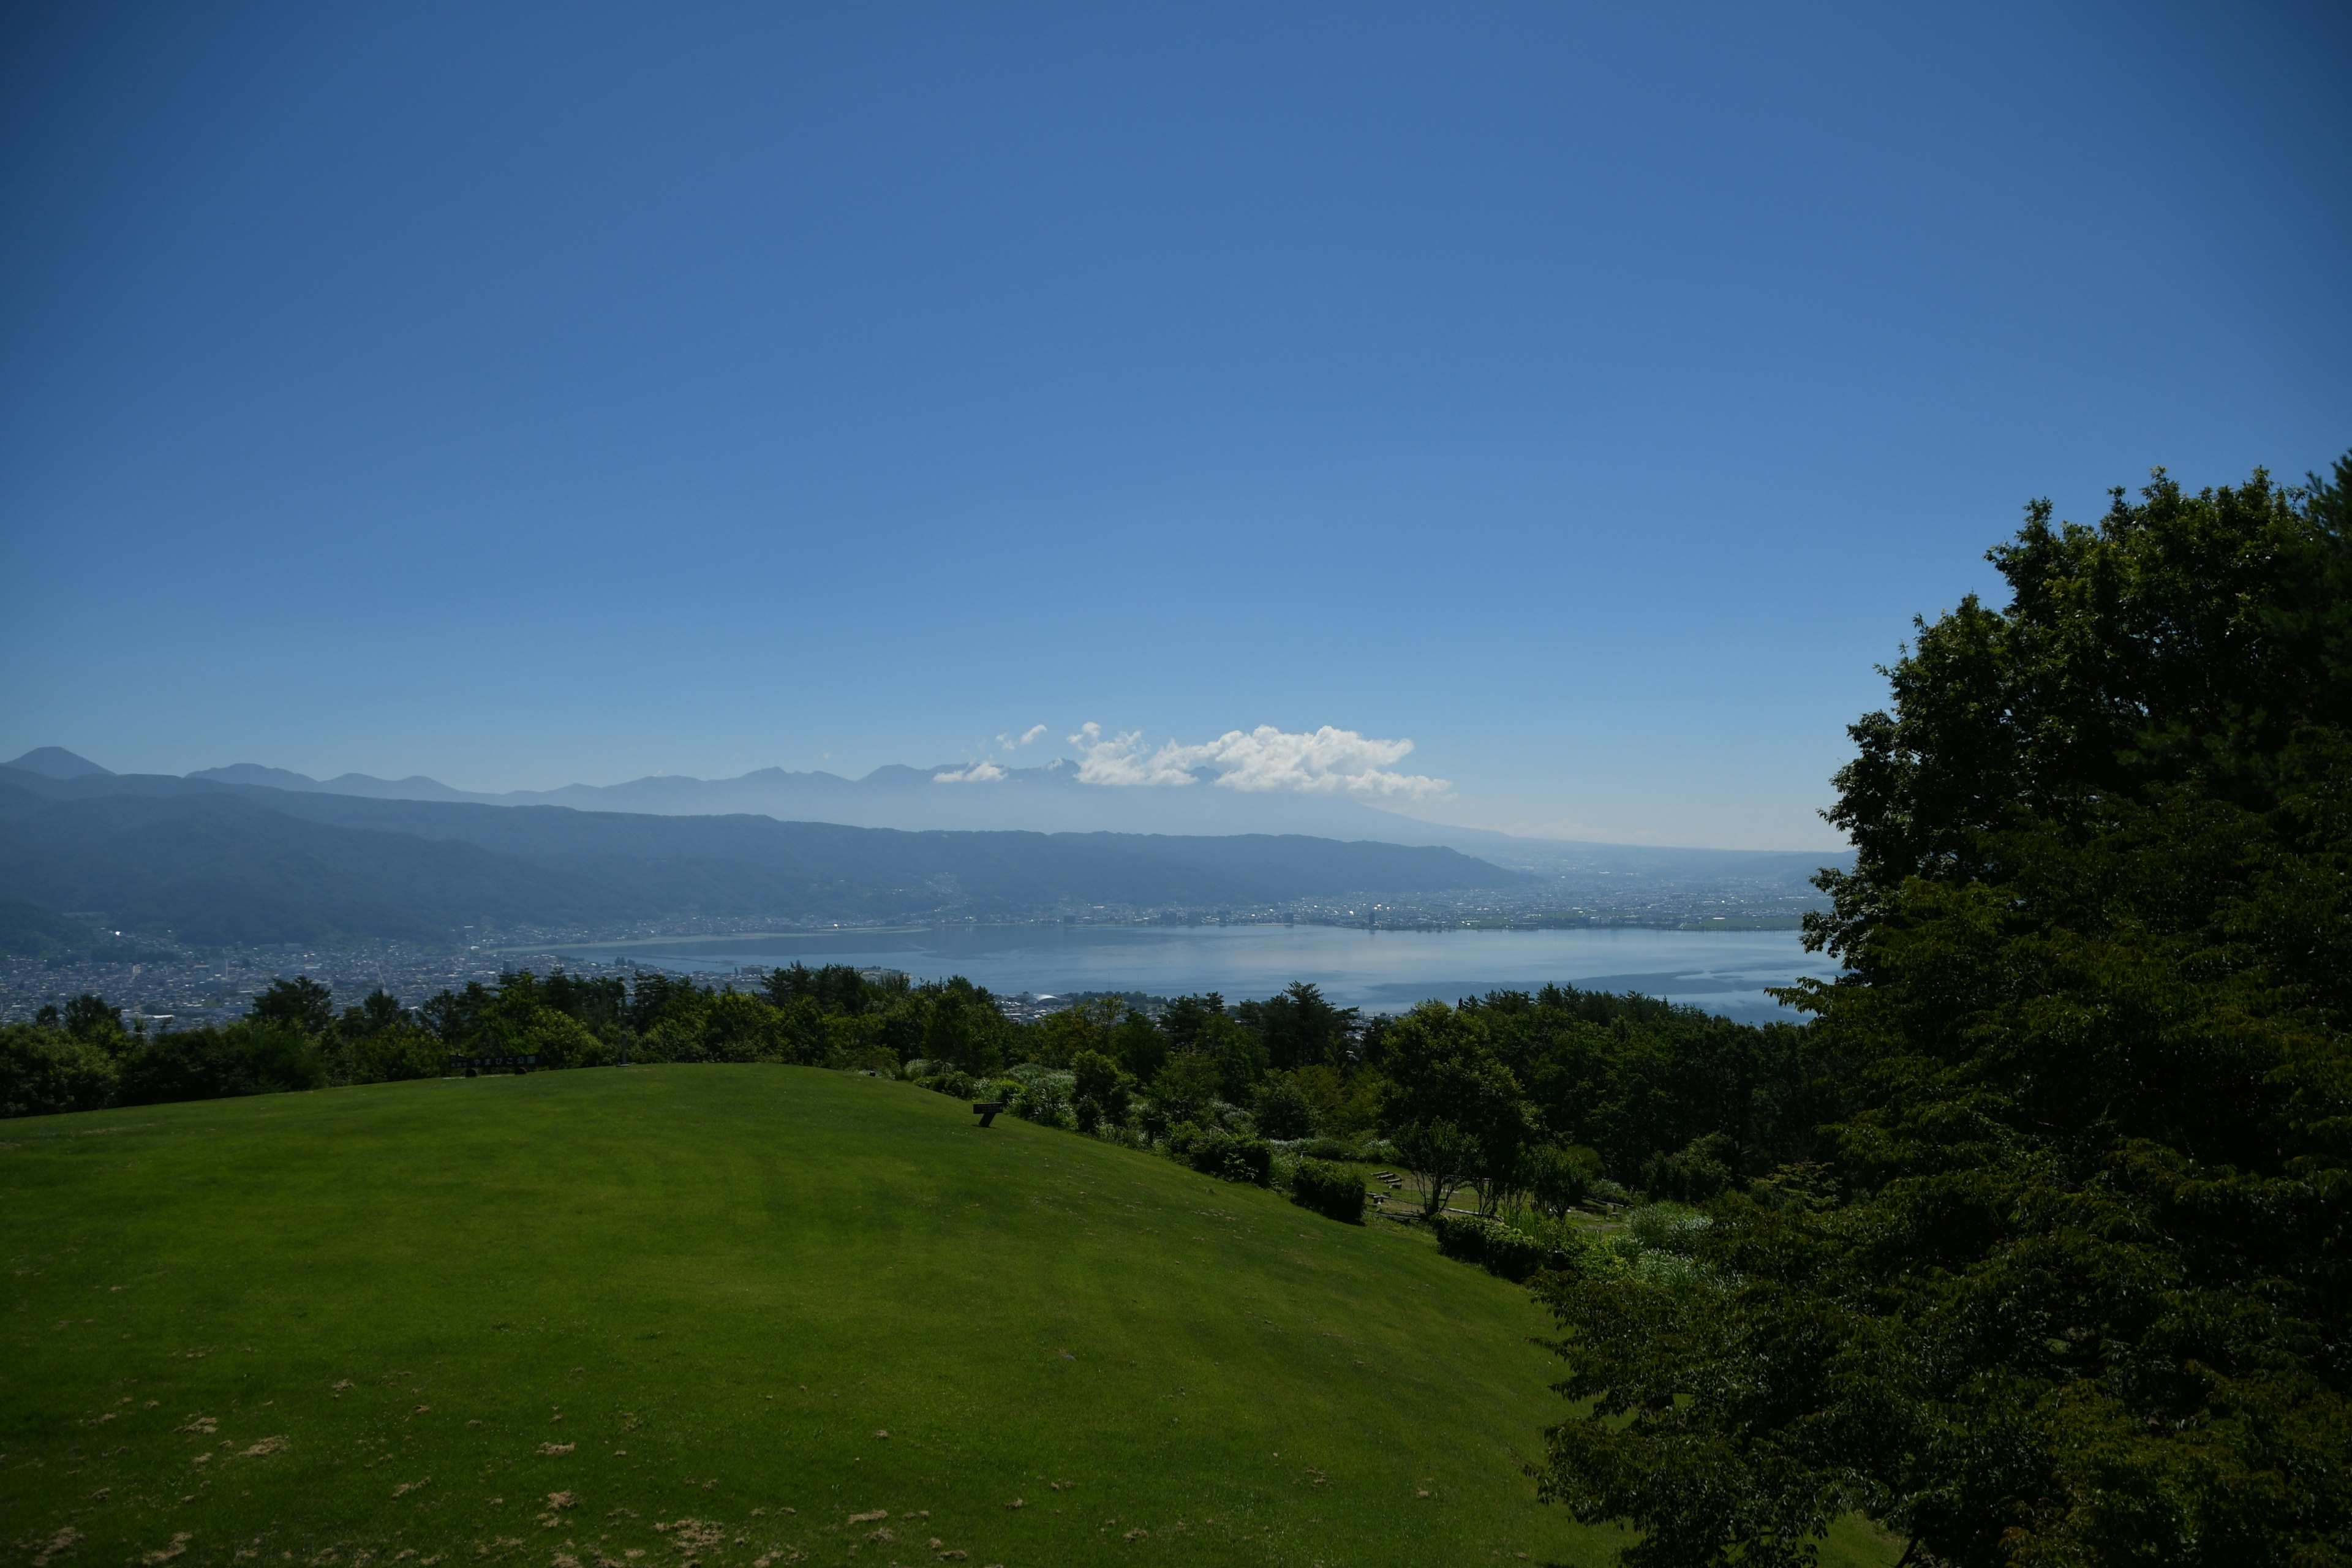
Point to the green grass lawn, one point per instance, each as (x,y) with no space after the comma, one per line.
(667,1315)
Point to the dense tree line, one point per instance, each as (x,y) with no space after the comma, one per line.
(2069,1280)
(1496,1097)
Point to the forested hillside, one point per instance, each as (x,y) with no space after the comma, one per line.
(2071,1280)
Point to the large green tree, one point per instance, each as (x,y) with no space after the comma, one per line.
(2089,1299)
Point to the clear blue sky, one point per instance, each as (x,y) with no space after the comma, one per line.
(1588,394)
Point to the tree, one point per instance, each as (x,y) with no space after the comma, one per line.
(301,1005)
(93,1019)
(1441,1067)
(1100,1091)
(2089,1301)
(1185,1087)
(1060,1036)
(1558,1177)
(43,1072)
(1139,1046)
(1300,1028)
(962,1026)
(838,988)
(245,1057)
(381,1010)
(1282,1110)
(1439,1156)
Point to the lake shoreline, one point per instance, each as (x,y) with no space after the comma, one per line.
(1725,971)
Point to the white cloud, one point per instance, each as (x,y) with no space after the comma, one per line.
(1327,761)
(978,772)
(1122,759)
(1015,743)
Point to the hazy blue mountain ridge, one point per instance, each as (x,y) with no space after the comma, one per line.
(214,862)
(1051,800)
(57,762)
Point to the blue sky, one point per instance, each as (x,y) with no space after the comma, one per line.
(1589,395)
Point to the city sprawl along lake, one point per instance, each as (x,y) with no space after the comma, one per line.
(1379,970)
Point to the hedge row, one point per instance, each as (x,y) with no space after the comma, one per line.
(1335,1191)
(1491,1245)
(1224,1154)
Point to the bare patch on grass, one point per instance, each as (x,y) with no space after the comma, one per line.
(694,1537)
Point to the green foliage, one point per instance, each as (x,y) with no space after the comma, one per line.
(1559,1177)
(1490,1244)
(1300,1028)
(1342,1102)
(45,1071)
(1439,1156)
(301,1006)
(1224,1155)
(390,1056)
(1281,1111)
(1081,1028)
(2088,1302)
(1667,1228)
(1187,1087)
(95,1020)
(241,1058)
(1443,1068)
(1697,1172)
(1336,1192)
(1042,1095)
(1099,1091)
(835,988)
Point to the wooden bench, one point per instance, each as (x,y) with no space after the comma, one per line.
(987,1111)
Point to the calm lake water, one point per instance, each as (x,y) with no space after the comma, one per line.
(1724,971)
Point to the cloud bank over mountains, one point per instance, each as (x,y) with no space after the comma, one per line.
(1327,761)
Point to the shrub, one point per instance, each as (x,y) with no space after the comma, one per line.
(1654,1249)
(220,1064)
(392,1055)
(1099,1090)
(1493,1246)
(1325,1147)
(1666,1228)
(1700,1172)
(1042,1107)
(1041,1095)
(1336,1192)
(1558,1178)
(1282,1112)
(1222,1155)
(43,1072)
(954,1084)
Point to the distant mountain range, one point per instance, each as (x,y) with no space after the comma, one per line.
(1051,800)
(216,861)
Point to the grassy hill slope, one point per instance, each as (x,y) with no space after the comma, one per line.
(386,1324)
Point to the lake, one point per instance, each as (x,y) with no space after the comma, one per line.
(1379,970)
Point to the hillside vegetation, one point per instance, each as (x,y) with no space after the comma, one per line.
(2068,1282)
(534,1319)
